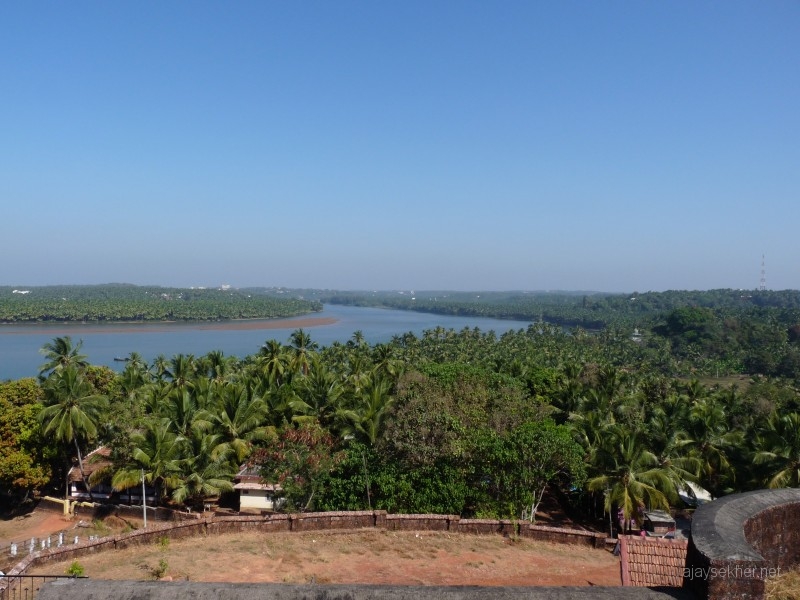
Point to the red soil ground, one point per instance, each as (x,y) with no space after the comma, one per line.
(364,556)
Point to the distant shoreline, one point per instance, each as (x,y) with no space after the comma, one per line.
(253,324)
(131,327)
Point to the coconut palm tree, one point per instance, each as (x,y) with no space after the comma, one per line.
(160,367)
(319,394)
(302,349)
(61,353)
(238,416)
(365,419)
(181,371)
(157,451)
(134,376)
(180,407)
(273,361)
(386,361)
(632,476)
(780,451)
(206,470)
(216,365)
(710,439)
(72,410)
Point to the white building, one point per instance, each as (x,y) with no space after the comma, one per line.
(254,495)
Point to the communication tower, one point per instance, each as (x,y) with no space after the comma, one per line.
(763,284)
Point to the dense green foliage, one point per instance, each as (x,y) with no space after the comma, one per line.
(25,457)
(710,332)
(129,303)
(590,309)
(463,422)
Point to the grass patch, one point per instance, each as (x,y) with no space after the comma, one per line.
(785,586)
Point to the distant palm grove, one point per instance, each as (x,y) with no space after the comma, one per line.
(129,303)
(617,406)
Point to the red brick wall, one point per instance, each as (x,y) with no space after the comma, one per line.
(563,536)
(266,524)
(775,533)
(487,526)
(421,522)
(739,540)
(332,520)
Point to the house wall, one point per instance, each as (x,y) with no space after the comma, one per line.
(256,500)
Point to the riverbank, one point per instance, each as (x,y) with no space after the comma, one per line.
(253,325)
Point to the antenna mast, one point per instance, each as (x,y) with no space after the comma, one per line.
(763,284)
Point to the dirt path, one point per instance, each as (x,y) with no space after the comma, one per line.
(33,524)
(364,556)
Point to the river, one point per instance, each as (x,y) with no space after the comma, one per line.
(20,344)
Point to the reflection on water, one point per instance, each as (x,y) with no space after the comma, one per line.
(19,345)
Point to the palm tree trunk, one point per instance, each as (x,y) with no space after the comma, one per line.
(80,466)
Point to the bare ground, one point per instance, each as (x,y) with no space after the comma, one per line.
(32,524)
(363,556)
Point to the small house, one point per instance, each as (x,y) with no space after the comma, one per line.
(658,523)
(254,495)
(94,462)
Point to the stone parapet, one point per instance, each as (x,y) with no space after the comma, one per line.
(563,536)
(737,541)
(422,522)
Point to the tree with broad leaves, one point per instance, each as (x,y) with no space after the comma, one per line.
(533,456)
(24,453)
(299,461)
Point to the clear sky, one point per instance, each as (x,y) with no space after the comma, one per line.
(593,145)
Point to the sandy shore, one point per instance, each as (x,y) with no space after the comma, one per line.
(277,324)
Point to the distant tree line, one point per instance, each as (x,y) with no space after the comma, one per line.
(128,303)
(722,331)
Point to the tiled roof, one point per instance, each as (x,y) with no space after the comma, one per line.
(652,561)
(94,461)
(268,487)
(248,473)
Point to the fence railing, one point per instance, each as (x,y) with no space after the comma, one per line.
(21,549)
(25,587)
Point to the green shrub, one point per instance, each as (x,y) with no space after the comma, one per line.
(160,570)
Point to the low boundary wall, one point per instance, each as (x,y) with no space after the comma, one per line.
(739,540)
(211,524)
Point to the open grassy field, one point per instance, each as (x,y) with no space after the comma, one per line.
(363,556)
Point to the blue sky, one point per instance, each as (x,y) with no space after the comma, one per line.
(612,146)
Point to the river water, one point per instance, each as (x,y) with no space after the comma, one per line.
(20,344)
